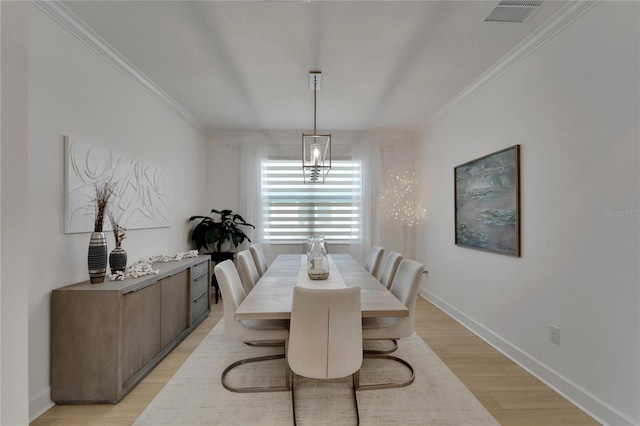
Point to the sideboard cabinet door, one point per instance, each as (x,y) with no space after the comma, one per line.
(175,306)
(141,311)
(84,346)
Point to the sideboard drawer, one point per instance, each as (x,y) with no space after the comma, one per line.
(199,270)
(199,306)
(199,286)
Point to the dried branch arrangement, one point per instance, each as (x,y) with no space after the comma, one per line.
(103,192)
(118,230)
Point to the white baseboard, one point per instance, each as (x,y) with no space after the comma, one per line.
(41,403)
(595,407)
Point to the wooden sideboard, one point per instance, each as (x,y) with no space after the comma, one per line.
(106,337)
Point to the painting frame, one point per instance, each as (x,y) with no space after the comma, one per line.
(487,203)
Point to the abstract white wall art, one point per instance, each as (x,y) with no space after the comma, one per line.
(143,196)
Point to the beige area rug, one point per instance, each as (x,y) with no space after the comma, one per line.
(194,396)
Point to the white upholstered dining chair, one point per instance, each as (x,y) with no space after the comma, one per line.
(259,258)
(247,270)
(405,286)
(389,268)
(374,259)
(325,338)
(247,331)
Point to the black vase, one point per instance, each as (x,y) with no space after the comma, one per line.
(118,260)
(97,258)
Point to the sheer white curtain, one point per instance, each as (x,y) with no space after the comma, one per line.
(367,198)
(252,199)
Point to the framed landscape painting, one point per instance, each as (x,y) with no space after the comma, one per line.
(487,202)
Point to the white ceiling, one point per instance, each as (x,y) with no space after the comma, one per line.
(244,65)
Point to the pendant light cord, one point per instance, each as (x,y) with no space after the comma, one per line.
(315,82)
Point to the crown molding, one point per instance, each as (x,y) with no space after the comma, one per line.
(69,21)
(544,33)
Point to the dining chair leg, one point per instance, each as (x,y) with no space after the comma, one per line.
(383,351)
(355,380)
(389,385)
(355,384)
(293,398)
(274,344)
(255,389)
(288,378)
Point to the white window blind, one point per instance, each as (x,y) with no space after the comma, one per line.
(294,210)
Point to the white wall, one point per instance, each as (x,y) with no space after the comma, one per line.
(573,105)
(14,372)
(73,91)
(224,168)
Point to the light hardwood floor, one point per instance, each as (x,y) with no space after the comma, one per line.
(512,396)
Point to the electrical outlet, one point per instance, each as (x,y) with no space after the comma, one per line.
(554,334)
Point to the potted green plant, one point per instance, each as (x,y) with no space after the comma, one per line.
(217,232)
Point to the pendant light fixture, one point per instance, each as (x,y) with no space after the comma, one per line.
(316,149)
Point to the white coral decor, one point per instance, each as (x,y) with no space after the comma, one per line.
(144,266)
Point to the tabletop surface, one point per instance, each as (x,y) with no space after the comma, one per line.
(271,297)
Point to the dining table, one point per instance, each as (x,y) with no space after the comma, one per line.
(272,296)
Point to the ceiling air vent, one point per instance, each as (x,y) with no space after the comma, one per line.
(517,11)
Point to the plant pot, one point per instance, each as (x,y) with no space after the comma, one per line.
(226,246)
(97,257)
(118,260)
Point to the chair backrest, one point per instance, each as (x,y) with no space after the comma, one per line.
(232,296)
(405,285)
(325,336)
(247,270)
(372,265)
(259,258)
(390,268)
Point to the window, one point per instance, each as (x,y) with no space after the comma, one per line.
(295,210)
